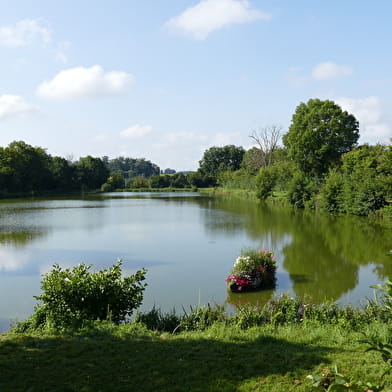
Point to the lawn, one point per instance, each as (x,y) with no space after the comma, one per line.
(219,359)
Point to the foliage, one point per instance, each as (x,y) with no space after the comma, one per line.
(131,167)
(155,320)
(301,189)
(218,159)
(252,160)
(333,381)
(106,187)
(196,319)
(139,182)
(72,296)
(24,168)
(201,179)
(319,134)
(239,179)
(91,172)
(331,195)
(386,297)
(362,193)
(265,182)
(252,266)
(115,181)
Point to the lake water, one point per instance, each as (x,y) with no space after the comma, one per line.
(188,243)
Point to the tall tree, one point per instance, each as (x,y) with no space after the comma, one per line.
(91,172)
(319,134)
(219,159)
(24,168)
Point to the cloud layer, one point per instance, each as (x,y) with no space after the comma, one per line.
(210,15)
(24,33)
(369,113)
(13,105)
(330,70)
(84,82)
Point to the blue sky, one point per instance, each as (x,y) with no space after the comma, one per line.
(166,79)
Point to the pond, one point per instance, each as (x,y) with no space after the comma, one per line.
(188,243)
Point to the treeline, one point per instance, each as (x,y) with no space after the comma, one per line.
(319,166)
(28,169)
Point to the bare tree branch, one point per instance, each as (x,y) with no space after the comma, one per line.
(267,139)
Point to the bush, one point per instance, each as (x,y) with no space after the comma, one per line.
(331,196)
(106,187)
(363,193)
(265,182)
(72,296)
(301,189)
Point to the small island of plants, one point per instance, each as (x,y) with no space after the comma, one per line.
(253,269)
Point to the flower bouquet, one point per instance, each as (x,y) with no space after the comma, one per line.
(253,269)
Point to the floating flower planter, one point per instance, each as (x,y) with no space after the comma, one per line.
(252,270)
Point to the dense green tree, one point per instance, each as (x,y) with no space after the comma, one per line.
(200,179)
(252,160)
(319,134)
(62,174)
(139,182)
(179,180)
(159,181)
(91,172)
(367,172)
(116,180)
(24,168)
(130,167)
(219,159)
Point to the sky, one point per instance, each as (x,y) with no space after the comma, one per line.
(167,79)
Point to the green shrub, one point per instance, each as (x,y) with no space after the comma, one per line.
(72,296)
(265,182)
(301,189)
(106,187)
(155,320)
(202,317)
(331,195)
(363,193)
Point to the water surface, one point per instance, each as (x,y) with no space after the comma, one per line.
(188,242)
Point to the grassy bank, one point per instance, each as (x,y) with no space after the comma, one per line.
(105,357)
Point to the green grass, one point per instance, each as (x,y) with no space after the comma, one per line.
(220,358)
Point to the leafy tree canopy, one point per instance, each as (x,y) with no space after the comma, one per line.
(219,159)
(319,134)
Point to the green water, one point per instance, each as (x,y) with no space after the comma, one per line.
(188,242)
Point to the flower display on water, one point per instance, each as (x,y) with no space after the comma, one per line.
(252,269)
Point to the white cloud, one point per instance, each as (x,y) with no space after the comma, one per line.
(136,131)
(210,15)
(84,82)
(9,261)
(330,70)
(12,105)
(368,111)
(24,32)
